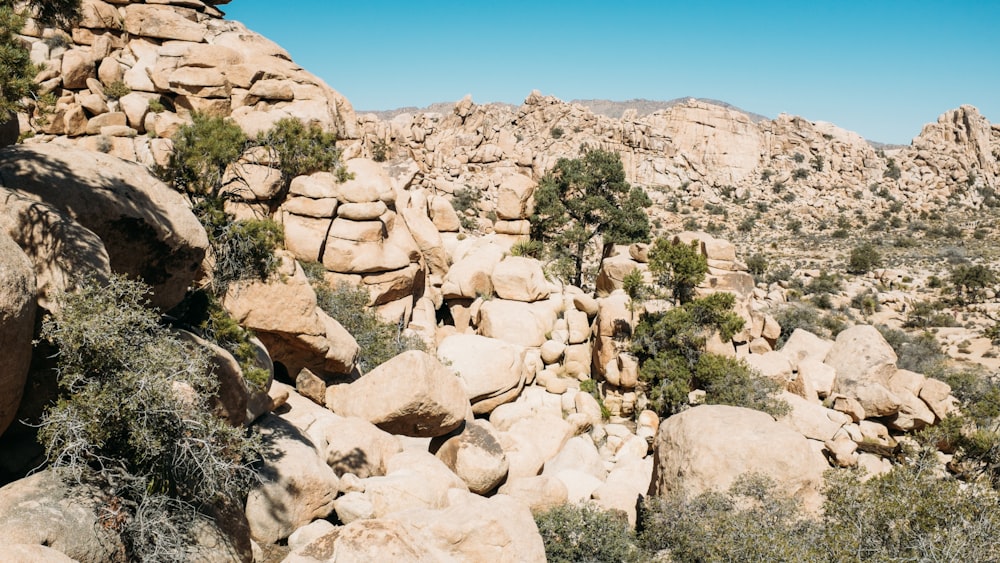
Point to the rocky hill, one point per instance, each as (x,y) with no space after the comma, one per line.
(508,390)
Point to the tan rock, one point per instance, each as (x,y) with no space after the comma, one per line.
(162,22)
(539,493)
(98,122)
(523,324)
(299,486)
(369,211)
(519,279)
(493,370)
(860,355)
(368,540)
(77,66)
(147,228)
(812,420)
(356,446)
(17,321)
(937,395)
(475,455)
(370,183)
(412,394)
(708,446)
(471,276)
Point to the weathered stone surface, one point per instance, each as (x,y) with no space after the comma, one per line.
(471,276)
(709,446)
(147,228)
(368,540)
(411,394)
(414,479)
(17,324)
(861,355)
(49,509)
(519,279)
(539,493)
(476,456)
(298,486)
(514,199)
(357,446)
(493,371)
(162,22)
(523,324)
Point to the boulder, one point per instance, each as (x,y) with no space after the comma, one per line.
(414,480)
(17,325)
(516,322)
(514,197)
(802,345)
(51,509)
(709,446)
(579,453)
(356,446)
(412,394)
(297,488)
(473,528)
(471,276)
(811,420)
(475,455)
(369,540)
(147,228)
(493,371)
(861,355)
(162,22)
(539,493)
(520,279)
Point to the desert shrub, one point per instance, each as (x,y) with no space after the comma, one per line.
(678,267)
(970,281)
(800,173)
(825,282)
(920,353)
(156,105)
(751,521)
(866,302)
(757,265)
(782,273)
(379,341)
(202,151)
(817,163)
(672,361)
(796,316)
(528,248)
(574,533)
(117,90)
(464,200)
(380,150)
(799,158)
(243,248)
(892,170)
(908,514)
(924,314)
(863,259)
(302,149)
(556,132)
(747,224)
(794,226)
(136,410)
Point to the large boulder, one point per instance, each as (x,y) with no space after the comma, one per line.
(54,510)
(412,394)
(709,446)
(476,456)
(520,279)
(60,250)
(473,528)
(297,488)
(354,445)
(147,228)
(523,324)
(414,479)
(17,326)
(369,540)
(865,363)
(493,371)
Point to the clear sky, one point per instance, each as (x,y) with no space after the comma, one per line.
(882,68)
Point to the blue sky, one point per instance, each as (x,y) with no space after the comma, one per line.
(881,68)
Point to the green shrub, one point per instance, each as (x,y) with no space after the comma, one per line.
(866,301)
(757,265)
(799,158)
(556,132)
(243,249)
(678,267)
(920,353)
(800,173)
(825,282)
(156,106)
(863,259)
(794,226)
(749,522)
(136,409)
(202,151)
(573,533)
(464,200)
(302,149)
(925,314)
(117,90)
(528,248)
(970,281)
(379,341)
(380,150)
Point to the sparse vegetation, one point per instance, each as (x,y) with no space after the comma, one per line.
(573,533)
(117,90)
(863,259)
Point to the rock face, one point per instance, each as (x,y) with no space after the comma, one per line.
(709,446)
(147,228)
(411,394)
(17,321)
(493,371)
(44,509)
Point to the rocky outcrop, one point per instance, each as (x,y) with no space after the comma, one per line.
(17,322)
(147,229)
(129,68)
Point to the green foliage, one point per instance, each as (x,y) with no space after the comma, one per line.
(464,200)
(799,158)
(928,313)
(574,533)
(825,282)
(817,163)
(670,348)
(634,286)
(243,249)
(136,408)
(866,301)
(379,341)
(908,514)
(892,170)
(920,353)
(380,150)
(202,151)
(970,281)
(678,267)
(117,89)
(16,69)
(749,522)
(757,265)
(863,259)
(800,173)
(584,199)
(302,149)
(156,106)
(556,132)
(527,248)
